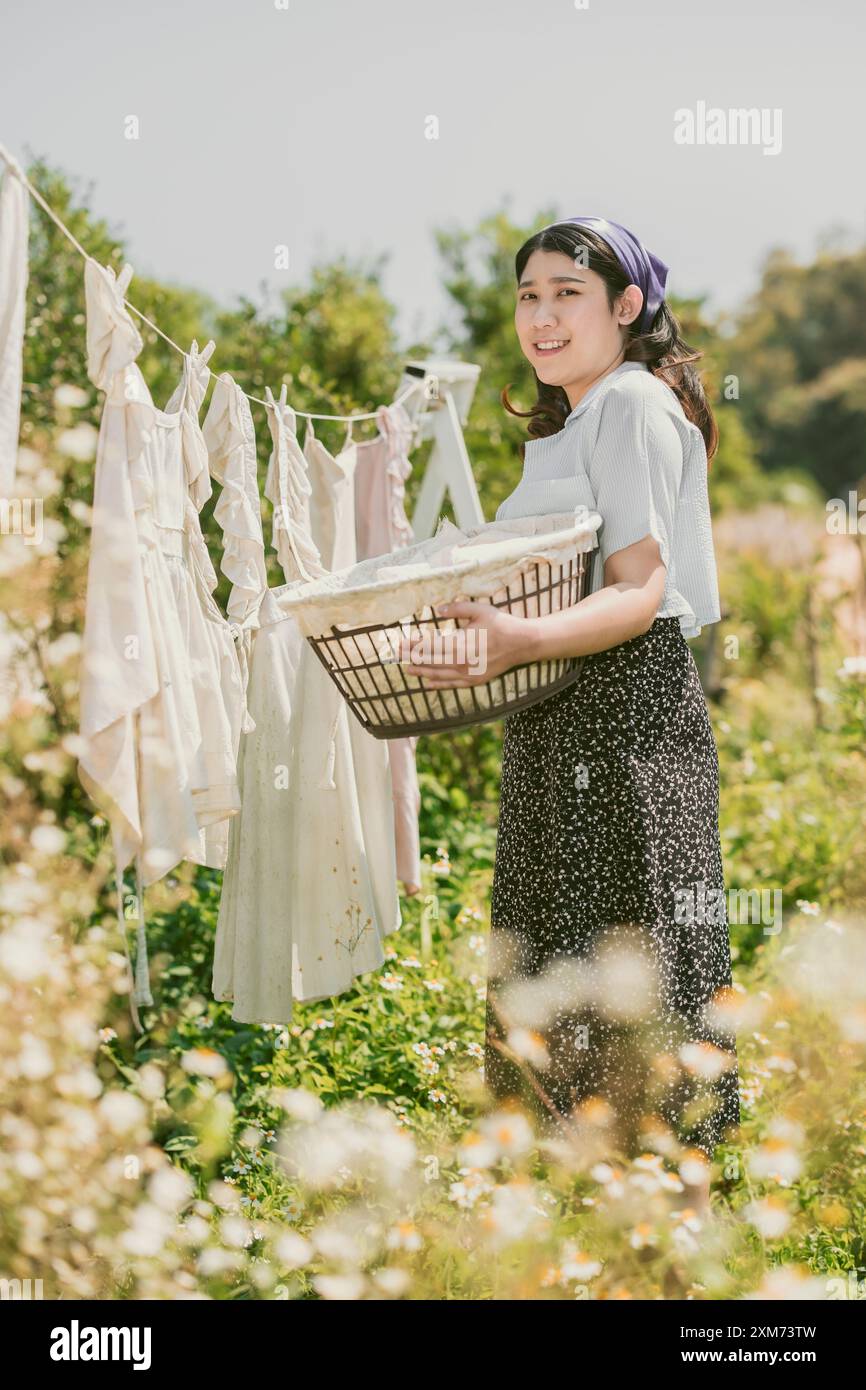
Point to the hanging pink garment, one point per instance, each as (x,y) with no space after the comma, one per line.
(381,526)
(383,465)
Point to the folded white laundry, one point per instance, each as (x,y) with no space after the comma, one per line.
(449,565)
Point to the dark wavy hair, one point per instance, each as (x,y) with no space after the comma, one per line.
(669,357)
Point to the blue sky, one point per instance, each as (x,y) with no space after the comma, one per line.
(305,126)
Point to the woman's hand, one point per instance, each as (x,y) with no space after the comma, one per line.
(487,643)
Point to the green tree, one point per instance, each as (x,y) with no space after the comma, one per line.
(799,348)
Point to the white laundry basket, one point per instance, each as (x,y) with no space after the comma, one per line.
(362,620)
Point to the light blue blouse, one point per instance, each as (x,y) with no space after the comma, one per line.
(628,452)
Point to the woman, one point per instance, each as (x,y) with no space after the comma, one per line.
(609,976)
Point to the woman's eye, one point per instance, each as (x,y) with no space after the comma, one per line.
(527,294)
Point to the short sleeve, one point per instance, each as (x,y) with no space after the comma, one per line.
(635,471)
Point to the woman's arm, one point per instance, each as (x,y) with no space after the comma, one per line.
(634,585)
(635,471)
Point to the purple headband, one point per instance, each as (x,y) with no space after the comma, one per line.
(643,268)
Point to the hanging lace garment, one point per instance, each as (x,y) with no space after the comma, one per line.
(309,891)
(159,666)
(217,660)
(231,444)
(383,466)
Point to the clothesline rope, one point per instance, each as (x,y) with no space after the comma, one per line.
(15,169)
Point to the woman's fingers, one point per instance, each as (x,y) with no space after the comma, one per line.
(436,676)
(436,672)
(449,685)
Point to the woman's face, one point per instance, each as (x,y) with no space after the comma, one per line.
(565,327)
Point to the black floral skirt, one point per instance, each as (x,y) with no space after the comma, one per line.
(609,977)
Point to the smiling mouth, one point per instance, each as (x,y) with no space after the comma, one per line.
(549,347)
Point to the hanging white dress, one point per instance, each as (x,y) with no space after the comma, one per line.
(305,906)
(230,439)
(157,657)
(216,661)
